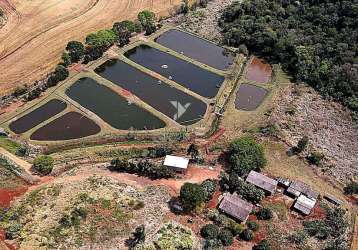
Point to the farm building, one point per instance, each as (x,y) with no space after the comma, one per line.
(235,207)
(262,181)
(178,164)
(304,204)
(298,187)
(283,182)
(333,199)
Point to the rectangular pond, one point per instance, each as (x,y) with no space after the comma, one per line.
(181,107)
(249,97)
(37,116)
(111,107)
(196,48)
(198,80)
(71,125)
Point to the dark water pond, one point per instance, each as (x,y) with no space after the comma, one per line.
(249,97)
(200,81)
(157,94)
(71,125)
(259,71)
(37,116)
(196,48)
(111,107)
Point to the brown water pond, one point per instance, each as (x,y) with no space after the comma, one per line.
(71,125)
(249,97)
(37,116)
(259,71)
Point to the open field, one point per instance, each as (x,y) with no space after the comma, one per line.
(36,31)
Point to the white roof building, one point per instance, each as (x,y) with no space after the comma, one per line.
(179,163)
(305,204)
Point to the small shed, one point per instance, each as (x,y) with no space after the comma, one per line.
(333,199)
(3,132)
(283,182)
(235,207)
(262,181)
(298,187)
(304,204)
(178,164)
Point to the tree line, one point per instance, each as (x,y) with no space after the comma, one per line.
(316,41)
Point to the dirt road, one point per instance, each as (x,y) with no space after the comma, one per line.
(36,32)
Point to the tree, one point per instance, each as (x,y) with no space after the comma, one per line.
(351,188)
(315,158)
(210,231)
(130,26)
(148,21)
(60,74)
(139,234)
(253,225)
(193,151)
(226,237)
(43,164)
(209,186)
(191,196)
(101,39)
(66,59)
(247,235)
(262,245)
(301,145)
(244,155)
(75,50)
(264,214)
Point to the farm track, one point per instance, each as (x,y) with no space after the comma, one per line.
(36,32)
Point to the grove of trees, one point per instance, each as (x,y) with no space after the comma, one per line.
(314,40)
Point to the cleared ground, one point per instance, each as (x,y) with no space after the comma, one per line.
(37,31)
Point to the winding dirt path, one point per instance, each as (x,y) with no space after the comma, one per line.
(36,32)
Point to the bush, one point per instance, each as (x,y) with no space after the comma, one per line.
(253,225)
(43,164)
(209,186)
(22,151)
(210,231)
(226,237)
(301,145)
(315,158)
(60,74)
(298,237)
(76,50)
(317,228)
(19,91)
(33,94)
(247,235)
(130,26)
(66,59)
(351,188)
(262,245)
(159,151)
(264,214)
(101,39)
(191,196)
(244,155)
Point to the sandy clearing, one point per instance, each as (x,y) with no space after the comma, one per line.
(37,31)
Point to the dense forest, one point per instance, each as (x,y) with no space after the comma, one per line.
(315,40)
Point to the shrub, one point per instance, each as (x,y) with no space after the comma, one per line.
(33,94)
(247,235)
(19,91)
(13,230)
(244,155)
(264,214)
(351,188)
(43,164)
(159,151)
(298,237)
(315,158)
(22,151)
(262,245)
(336,220)
(210,231)
(66,59)
(101,39)
(317,228)
(130,26)
(209,186)
(226,237)
(60,74)
(191,196)
(253,225)
(301,145)
(234,227)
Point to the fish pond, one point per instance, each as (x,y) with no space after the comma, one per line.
(190,76)
(71,125)
(174,103)
(111,107)
(249,97)
(196,48)
(37,116)
(259,71)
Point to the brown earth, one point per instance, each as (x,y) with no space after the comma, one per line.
(36,31)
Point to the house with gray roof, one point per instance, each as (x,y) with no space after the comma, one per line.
(262,181)
(235,207)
